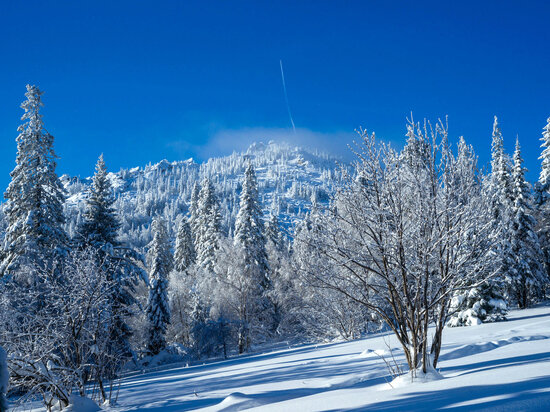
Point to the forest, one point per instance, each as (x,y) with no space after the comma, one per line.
(191,262)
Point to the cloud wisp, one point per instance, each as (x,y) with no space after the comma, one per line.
(226,141)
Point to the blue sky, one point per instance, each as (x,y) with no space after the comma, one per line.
(145,80)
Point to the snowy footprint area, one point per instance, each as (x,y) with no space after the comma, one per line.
(500,366)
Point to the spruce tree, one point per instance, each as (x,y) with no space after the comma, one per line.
(255,267)
(99,230)
(482,300)
(248,227)
(207,226)
(273,232)
(158,308)
(501,192)
(194,207)
(527,275)
(184,255)
(35,197)
(544,177)
(541,199)
(100,225)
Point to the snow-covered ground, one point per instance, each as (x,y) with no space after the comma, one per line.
(500,366)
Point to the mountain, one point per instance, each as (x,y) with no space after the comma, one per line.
(289,180)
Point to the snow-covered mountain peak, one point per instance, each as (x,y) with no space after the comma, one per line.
(289,178)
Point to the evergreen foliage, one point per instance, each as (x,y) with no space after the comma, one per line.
(158,309)
(100,224)
(184,255)
(528,273)
(35,196)
(207,226)
(121,265)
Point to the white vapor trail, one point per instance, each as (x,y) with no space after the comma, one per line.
(286,97)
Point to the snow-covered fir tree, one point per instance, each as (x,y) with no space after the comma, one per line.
(184,255)
(481,300)
(542,194)
(35,196)
(100,224)
(544,177)
(273,232)
(528,274)
(249,228)
(194,207)
(121,265)
(207,226)
(158,308)
(250,239)
(499,189)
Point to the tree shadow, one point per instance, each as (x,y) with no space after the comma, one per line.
(529,395)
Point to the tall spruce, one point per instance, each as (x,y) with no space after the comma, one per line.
(184,255)
(100,224)
(541,198)
(501,193)
(273,232)
(528,274)
(248,227)
(121,265)
(207,226)
(250,239)
(35,196)
(158,308)
(544,177)
(194,208)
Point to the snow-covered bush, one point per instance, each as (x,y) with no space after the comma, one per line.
(477,305)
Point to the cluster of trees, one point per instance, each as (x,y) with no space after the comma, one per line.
(410,239)
(288,179)
(421,238)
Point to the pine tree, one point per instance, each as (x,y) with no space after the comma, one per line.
(194,206)
(35,196)
(501,193)
(544,178)
(100,224)
(541,199)
(255,267)
(273,232)
(248,227)
(99,230)
(482,300)
(158,308)
(527,272)
(207,226)
(500,171)
(184,256)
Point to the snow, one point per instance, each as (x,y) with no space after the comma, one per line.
(80,404)
(498,366)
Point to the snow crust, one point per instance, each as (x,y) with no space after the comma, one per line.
(80,404)
(501,366)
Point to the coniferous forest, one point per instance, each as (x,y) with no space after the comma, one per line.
(187,262)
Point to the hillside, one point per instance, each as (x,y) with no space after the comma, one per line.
(289,179)
(498,366)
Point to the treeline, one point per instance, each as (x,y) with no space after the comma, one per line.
(409,240)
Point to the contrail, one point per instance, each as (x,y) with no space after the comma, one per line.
(286,97)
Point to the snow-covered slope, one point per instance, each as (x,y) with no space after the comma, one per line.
(289,179)
(500,366)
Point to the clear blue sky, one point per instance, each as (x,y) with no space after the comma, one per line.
(145,80)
